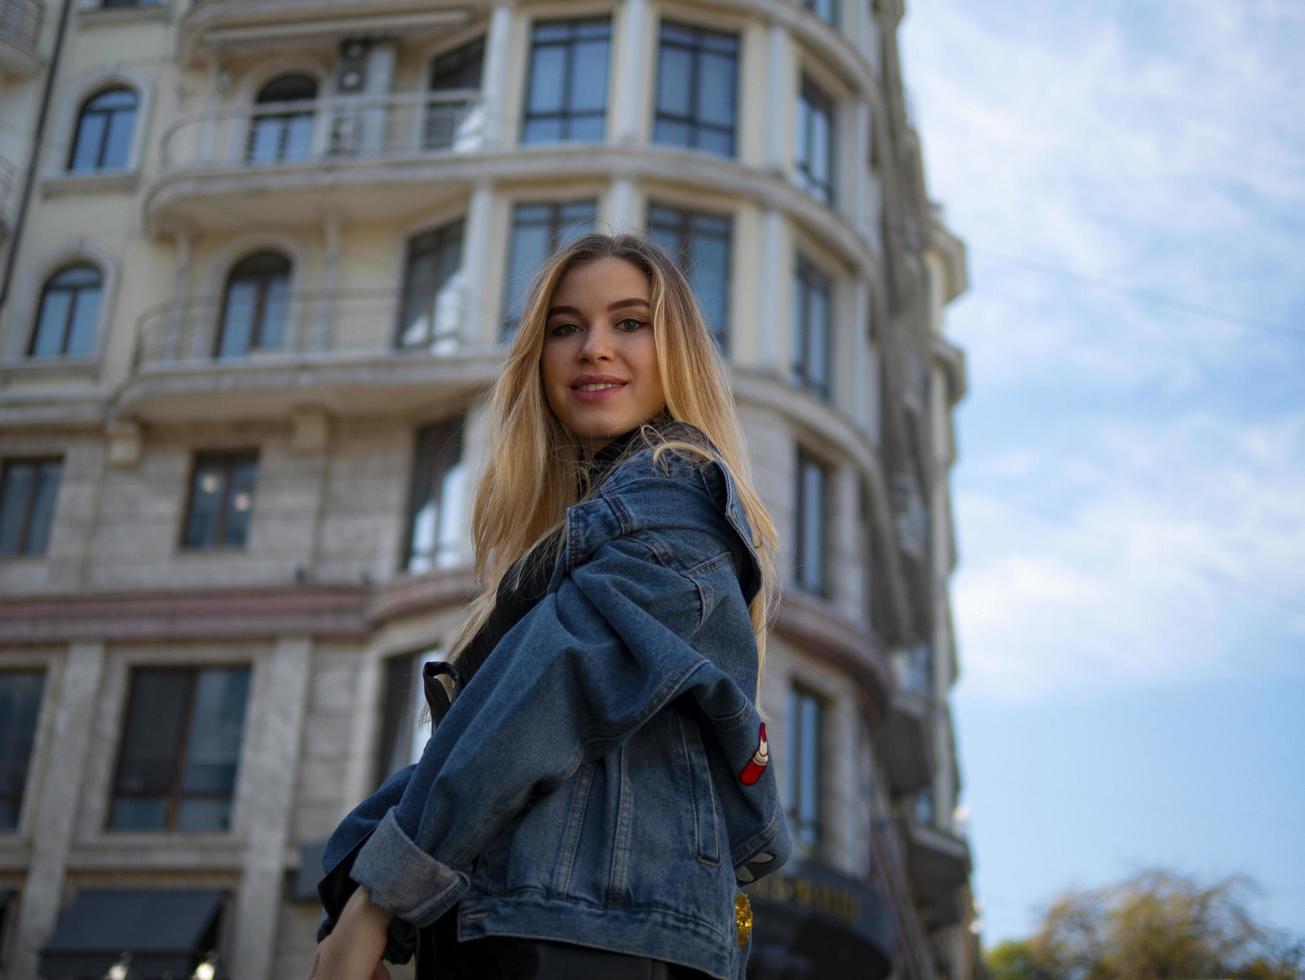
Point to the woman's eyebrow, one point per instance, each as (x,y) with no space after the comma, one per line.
(618,305)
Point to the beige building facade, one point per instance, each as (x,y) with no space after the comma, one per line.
(260,259)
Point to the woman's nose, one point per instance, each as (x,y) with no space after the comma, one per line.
(597,344)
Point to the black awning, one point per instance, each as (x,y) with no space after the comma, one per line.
(167,933)
(812,922)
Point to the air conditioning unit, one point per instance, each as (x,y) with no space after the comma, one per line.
(351,66)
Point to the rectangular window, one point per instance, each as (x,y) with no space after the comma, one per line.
(539,229)
(180,749)
(20,704)
(431,316)
(812,551)
(404,726)
(221,500)
(28,489)
(812,316)
(566,92)
(697,88)
(815,141)
(437,509)
(700,244)
(805,783)
(826,10)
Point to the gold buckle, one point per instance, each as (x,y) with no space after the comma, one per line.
(743,918)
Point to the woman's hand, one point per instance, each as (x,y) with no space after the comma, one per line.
(353,949)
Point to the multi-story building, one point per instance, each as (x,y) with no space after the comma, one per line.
(260,257)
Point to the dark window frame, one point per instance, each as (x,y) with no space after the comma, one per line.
(813,99)
(809,279)
(438,448)
(228,459)
(87,112)
(263,279)
(566,115)
(702,37)
(689,224)
(75,293)
(457,69)
(176,795)
(26,545)
(21,769)
(808,829)
(557,224)
(813,581)
(401,705)
(434,242)
(283,119)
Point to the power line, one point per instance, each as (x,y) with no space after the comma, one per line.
(1146,296)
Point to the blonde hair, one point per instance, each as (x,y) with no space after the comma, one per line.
(535,467)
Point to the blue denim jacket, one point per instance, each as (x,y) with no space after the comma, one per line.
(596,782)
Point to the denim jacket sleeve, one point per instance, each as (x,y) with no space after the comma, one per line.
(610,645)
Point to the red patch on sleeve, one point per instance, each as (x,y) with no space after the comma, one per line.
(757,764)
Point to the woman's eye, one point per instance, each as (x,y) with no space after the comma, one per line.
(563,329)
(630,324)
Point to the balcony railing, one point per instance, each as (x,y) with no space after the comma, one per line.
(298,328)
(20,22)
(326,132)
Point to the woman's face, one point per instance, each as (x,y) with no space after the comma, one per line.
(599,363)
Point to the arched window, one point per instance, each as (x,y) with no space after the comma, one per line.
(450,116)
(70,307)
(104,130)
(254,305)
(285,134)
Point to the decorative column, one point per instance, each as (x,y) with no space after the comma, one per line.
(60,785)
(491,84)
(166,347)
(622,207)
(631,98)
(266,799)
(476,260)
(779,98)
(774,285)
(864,386)
(321,341)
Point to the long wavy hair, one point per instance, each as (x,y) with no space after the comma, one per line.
(535,468)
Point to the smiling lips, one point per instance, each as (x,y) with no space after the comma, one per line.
(595,387)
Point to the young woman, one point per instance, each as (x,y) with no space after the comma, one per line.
(602,783)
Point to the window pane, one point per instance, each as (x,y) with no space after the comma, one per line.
(138,813)
(716,89)
(118,142)
(86,151)
(809,791)
(813,530)
(204,815)
(276,301)
(298,137)
(151,741)
(42,508)
(20,704)
(452,516)
(542,131)
(575,219)
(205,502)
(238,321)
(216,723)
(711,259)
(50,323)
(674,73)
(81,338)
(547,77)
(589,76)
(818,338)
(586,128)
(529,246)
(240,503)
(265,140)
(15,504)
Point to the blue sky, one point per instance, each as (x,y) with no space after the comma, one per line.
(1130,180)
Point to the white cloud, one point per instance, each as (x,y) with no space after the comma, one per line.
(1180,562)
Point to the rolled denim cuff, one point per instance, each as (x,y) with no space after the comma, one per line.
(403,879)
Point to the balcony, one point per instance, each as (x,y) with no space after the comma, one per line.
(20,29)
(223,25)
(908,750)
(938,865)
(338,351)
(287,162)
